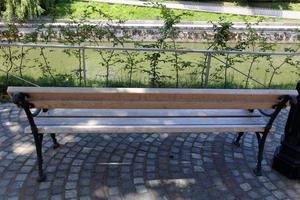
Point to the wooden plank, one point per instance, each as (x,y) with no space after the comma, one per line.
(148,129)
(82,94)
(152,96)
(149,113)
(217,104)
(149,98)
(150,121)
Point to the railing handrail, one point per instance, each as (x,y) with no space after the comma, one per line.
(267,53)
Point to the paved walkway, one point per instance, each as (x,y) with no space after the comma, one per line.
(214,7)
(138,166)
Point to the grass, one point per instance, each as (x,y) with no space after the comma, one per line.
(279,5)
(68,10)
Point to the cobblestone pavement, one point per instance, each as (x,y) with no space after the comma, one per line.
(138,166)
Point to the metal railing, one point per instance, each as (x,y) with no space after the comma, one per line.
(210,54)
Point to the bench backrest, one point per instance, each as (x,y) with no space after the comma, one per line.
(150,98)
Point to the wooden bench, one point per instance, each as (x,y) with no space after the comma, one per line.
(139,110)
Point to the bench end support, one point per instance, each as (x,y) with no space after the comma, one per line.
(262,139)
(55,143)
(236,141)
(257,172)
(20,100)
(41,178)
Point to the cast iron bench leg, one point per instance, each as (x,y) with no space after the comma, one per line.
(55,143)
(258,137)
(261,144)
(38,140)
(236,142)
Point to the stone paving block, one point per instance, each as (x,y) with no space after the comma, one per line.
(42,194)
(270,198)
(70,185)
(279,194)
(44,185)
(70,194)
(13,198)
(21,177)
(245,187)
(291,193)
(56,197)
(141,189)
(113,191)
(253,195)
(73,177)
(138,180)
(85,191)
(248,175)
(269,186)
(2,190)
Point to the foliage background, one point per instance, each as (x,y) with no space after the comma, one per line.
(24,9)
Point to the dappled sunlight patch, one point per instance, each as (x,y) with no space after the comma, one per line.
(100,192)
(154,183)
(180,182)
(163,135)
(68,138)
(90,123)
(143,194)
(114,163)
(4,110)
(8,123)
(106,137)
(16,128)
(24,148)
(12,126)
(140,194)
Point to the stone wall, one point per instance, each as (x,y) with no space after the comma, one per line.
(188,32)
(205,34)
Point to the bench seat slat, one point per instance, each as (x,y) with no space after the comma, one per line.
(147,121)
(149,113)
(148,129)
(150,121)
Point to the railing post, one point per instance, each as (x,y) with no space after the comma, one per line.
(83,66)
(207,71)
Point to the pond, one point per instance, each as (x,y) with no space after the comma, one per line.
(61,62)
